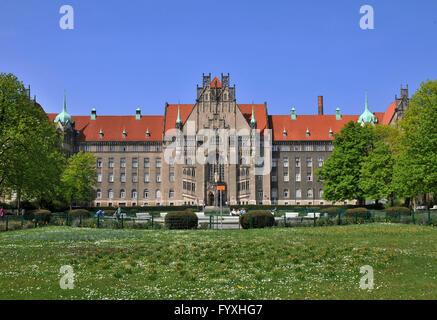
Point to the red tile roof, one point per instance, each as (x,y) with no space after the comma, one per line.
(215,83)
(171,114)
(389,113)
(113,126)
(318,126)
(260,115)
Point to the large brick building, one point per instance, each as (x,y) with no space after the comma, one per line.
(154,160)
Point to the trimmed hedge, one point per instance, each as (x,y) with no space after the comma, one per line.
(331,211)
(181,220)
(40,215)
(393,212)
(80,212)
(257,219)
(358,212)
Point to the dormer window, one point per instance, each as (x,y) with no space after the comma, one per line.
(124,133)
(100,134)
(308,133)
(284,133)
(147,134)
(331,134)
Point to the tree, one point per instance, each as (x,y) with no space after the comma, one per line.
(79,178)
(341,171)
(31,159)
(377,172)
(415,171)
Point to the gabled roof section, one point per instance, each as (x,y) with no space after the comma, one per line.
(112,127)
(215,83)
(260,115)
(171,114)
(318,125)
(389,113)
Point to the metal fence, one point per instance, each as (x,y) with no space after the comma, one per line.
(155,220)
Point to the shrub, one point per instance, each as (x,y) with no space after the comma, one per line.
(331,211)
(257,219)
(181,220)
(358,212)
(393,212)
(40,216)
(80,212)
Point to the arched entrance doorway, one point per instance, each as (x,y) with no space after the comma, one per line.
(210,199)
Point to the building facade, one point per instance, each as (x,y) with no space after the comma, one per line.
(186,155)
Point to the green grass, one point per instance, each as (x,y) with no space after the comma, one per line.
(280,263)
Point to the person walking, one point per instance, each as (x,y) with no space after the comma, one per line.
(2,212)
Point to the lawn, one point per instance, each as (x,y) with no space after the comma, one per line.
(279,263)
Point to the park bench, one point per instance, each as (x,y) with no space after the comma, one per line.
(143,216)
(289,215)
(200,214)
(163,214)
(311,215)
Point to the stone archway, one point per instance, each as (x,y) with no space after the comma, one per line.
(211,199)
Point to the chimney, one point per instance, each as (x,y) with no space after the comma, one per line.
(320,105)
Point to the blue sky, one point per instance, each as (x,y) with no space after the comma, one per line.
(125,54)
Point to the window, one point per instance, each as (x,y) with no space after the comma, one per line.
(320,148)
(285,193)
(110,194)
(297,148)
(111,162)
(260,193)
(146,193)
(122,194)
(171,162)
(158,162)
(171,176)
(123,177)
(286,176)
(134,194)
(274,178)
(285,148)
(147,148)
(297,176)
(99,162)
(158,177)
(134,177)
(100,148)
(146,162)
(146,177)
(274,163)
(321,193)
(123,163)
(171,193)
(330,147)
(297,161)
(285,160)
(310,193)
(111,177)
(136,148)
(298,194)
(309,176)
(135,163)
(99,177)
(321,161)
(309,162)
(274,193)
(98,194)
(123,148)
(112,148)
(275,147)
(308,148)
(158,194)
